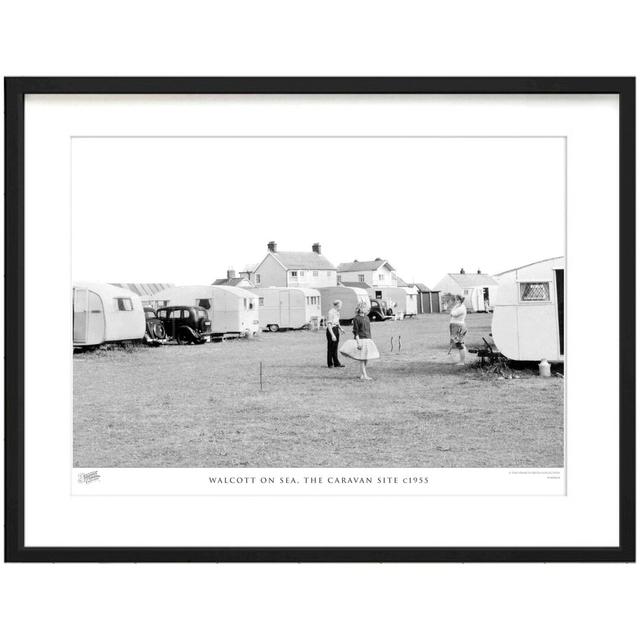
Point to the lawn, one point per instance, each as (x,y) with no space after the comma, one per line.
(201,405)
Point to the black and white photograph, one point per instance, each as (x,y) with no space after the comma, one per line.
(340,302)
(306,319)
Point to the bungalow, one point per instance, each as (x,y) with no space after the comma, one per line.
(233,281)
(308,269)
(478,289)
(375,273)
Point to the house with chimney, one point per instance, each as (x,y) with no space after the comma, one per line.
(233,280)
(293,269)
(375,273)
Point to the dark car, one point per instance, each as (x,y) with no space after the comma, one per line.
(378,311)
(187,325)
(155,333)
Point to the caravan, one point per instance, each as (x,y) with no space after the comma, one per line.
(104,313)
(232,310)
(528,317)
(288,307)
(403,301)
(350,297)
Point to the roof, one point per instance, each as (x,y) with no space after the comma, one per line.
(420,287)
(143,289)
(358,285)
(370,265)
(207,291)
(308,291)
(105,289)
(302,260)
(529,265)
(401,283)
(230,282)
(469,280)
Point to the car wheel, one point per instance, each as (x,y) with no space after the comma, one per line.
(273,328)
(184,337)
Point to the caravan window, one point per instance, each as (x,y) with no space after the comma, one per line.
(124,304)
(534,291)
(205,303)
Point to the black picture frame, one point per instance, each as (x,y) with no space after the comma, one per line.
(15,91)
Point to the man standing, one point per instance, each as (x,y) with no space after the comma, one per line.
(333,334)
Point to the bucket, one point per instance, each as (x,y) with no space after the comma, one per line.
(545,369)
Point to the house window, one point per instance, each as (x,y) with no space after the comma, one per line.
(381,277)
(534,291)
(301,273)
(257,278)
(294,274)
(261,302)
(315,274)
(124,304)
(361,277)
(329,274)
(339,278)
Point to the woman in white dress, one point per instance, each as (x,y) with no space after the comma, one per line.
(458,328)
(362,348)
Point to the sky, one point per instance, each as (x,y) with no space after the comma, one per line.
(184,210)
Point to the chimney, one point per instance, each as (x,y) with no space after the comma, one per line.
(480,271)
(462,271)
(231,274)
(316,248)
(272,246)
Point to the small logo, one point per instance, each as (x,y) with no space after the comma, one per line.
(86,478)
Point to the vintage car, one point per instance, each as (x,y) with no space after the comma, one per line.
(378,311)
(155,333)
(186,325)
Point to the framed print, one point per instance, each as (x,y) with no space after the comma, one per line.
(320,319)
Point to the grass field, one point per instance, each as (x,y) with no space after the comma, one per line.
(201,406)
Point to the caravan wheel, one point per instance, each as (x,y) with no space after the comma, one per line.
(273,328)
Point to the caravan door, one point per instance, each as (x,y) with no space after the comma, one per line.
(88,318)
(80,307)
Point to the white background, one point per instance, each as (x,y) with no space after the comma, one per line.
(289,38)
(586,516)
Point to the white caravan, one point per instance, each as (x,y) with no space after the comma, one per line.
(104,313)
(288,307)
(232,310)
(402,300)
(351,297)
(528,315)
